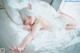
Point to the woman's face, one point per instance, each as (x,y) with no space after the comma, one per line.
(28,20)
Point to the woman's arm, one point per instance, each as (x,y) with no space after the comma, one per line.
(27,39)
(31,35)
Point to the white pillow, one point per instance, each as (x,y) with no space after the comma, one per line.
(13,14)
(45,11)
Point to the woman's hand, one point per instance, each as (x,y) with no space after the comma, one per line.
(16,49)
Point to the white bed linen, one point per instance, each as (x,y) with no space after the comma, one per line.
(45,41)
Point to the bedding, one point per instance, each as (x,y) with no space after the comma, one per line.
(13,14)
(53,41)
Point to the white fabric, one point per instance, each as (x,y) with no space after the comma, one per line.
(27,12)
(17,4)
(12,13)
(45,41)
(42,9)
(20,4)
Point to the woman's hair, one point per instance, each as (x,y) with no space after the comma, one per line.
(27,12)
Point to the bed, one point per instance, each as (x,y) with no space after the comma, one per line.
(12,33)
